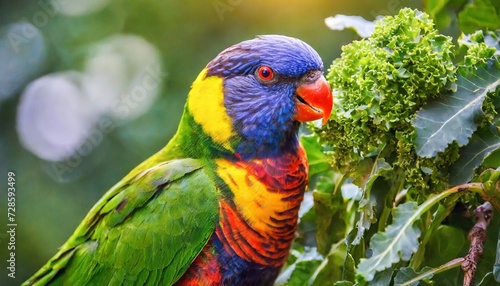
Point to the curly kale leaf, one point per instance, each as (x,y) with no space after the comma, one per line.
(379,84)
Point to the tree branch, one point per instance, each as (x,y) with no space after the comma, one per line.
(477,236)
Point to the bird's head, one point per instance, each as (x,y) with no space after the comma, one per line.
(252,97)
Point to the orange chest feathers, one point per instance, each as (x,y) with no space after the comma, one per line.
(258,222)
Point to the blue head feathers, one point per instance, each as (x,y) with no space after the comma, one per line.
(288,56)
(262,110)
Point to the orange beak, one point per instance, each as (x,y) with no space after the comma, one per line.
(313,101)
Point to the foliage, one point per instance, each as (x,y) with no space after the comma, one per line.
(412,147)
(379,83)
(469,16)
(436,127)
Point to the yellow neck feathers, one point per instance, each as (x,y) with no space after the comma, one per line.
(206,105)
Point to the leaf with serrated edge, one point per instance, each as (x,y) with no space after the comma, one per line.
(398,242)
(400,239)
(482,143)
(452,118)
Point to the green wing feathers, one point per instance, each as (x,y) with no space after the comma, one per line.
(145,230)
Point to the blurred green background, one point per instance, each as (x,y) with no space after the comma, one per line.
(167,41)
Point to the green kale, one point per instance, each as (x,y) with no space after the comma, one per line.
(379,84)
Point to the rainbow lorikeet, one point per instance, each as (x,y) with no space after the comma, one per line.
(219,204)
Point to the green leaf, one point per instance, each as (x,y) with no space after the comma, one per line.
(452,117)
(368,202)
(398,242)
(490,178)
(480,15)
(380,168)
(435,239)
(324,182)
(382,278)
(349,268)
(330,213)
(337,266)
(444,12)
(491,186)
(434,7)
(492,160)
(299,272)
(367,217)
(400,239)
(441,11)
(440,243)
(315,156)
(481,144)
(408,277)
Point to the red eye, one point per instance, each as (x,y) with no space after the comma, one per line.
(265,73)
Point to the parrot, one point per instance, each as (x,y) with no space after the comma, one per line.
(218,205)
